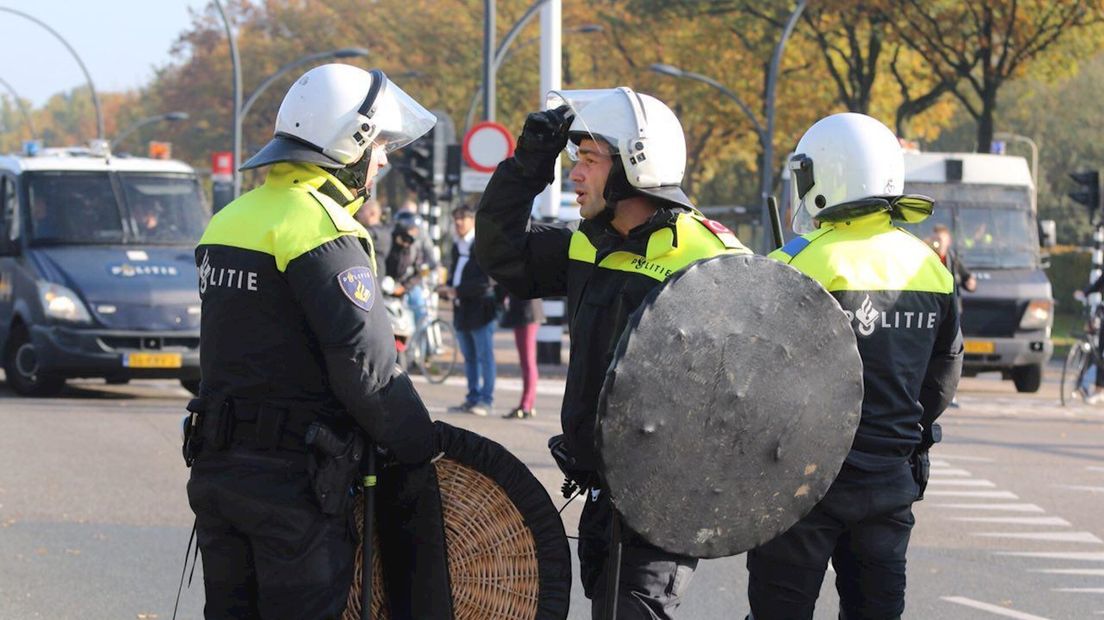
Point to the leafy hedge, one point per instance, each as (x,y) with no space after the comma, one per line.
(1069,271)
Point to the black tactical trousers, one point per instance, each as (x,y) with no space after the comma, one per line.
(268,551)
(863,525)
(652,580)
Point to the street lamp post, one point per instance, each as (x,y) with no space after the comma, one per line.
(348,52)
(504,51)
(22,108)
(149,120)
(236,62)
(765,132)
(1004,135)
(87,76)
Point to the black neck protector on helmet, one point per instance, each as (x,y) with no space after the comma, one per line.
(354,176)
(617,183)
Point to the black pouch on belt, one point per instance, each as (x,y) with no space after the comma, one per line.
(333,464)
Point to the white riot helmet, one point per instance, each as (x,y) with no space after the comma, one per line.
(848,165)
(335,112)
(644,136)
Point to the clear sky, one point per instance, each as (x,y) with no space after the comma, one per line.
(119,41)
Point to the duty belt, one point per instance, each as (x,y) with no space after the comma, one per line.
(262,425)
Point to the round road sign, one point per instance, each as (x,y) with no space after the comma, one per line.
(486,144)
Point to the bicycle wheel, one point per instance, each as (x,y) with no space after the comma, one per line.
(438,350)
(1072,372)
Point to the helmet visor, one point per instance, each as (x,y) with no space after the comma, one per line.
(577,100)
(401,119)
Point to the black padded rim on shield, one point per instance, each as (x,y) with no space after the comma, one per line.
(729,407)
(508,553)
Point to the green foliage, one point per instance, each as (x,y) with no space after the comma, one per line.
(1068,272)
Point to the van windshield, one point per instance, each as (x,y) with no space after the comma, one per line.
(992,226)
(84,208)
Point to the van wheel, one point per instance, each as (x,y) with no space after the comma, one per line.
(21,367)
(1027,378)
(192,385)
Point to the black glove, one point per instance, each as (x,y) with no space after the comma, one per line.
(540,143)
(575,478)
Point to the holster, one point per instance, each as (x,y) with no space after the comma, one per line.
(333,463)
(921,469)
(920,462)
(204,426)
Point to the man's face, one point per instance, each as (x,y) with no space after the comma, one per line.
(463,224)
(370,214)
(943,241)
(378,161)
(589,175)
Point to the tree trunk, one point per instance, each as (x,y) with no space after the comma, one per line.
(985,121)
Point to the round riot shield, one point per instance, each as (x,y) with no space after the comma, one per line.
(508,556)
(729,407)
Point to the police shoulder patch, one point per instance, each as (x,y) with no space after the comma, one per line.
(359,286)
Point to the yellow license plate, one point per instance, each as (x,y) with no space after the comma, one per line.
(979,346)
(152,360)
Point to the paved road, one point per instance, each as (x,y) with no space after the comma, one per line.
(94,522)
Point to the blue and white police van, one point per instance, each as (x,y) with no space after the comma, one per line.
(97,276)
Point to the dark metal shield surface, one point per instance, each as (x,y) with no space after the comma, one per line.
(730,405)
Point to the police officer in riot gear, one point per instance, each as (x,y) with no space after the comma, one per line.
(297,355)
(848,176)
(638,228)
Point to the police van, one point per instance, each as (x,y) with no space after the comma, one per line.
(97,275)
(988,204)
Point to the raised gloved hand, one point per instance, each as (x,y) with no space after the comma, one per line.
(540,143)
(575,478)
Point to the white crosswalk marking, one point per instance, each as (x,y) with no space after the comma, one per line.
(1085,556)
(1058,521)
(972,459)
(1008,507)
(1087,572)
(1081,537)
(1083,590)
(977,494)
(1094,468)
(994,609)
(1077,487)
(962,483)
(940,471)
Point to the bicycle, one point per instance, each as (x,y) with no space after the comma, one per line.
(1082,363)
(434,349)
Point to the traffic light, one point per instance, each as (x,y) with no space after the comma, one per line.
(1089,192)
(417,165)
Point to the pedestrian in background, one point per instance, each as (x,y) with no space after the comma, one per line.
(473,303)
(524,316)
(371,217)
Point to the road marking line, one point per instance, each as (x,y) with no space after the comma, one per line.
(934,463)
(1009,507)
(963,483)
(1088,572)
(979,494)
(1083,590)
(1078,487)
(995,609)
(1059,521)
(1084,556)
(939,471)
(1093,468)
(973,459)
(1081,537)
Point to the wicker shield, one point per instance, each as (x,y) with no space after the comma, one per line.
(507,551)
